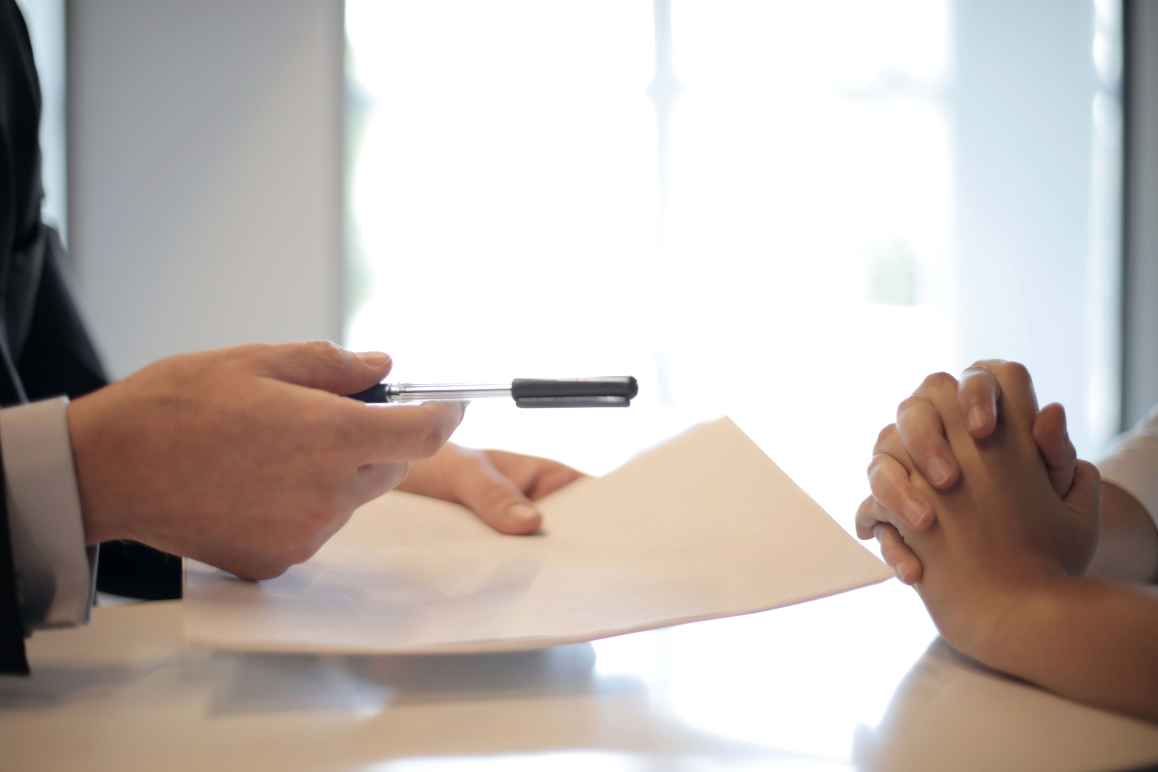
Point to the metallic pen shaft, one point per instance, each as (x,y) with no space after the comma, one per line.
(445,392)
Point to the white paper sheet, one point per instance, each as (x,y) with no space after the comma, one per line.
(701,527)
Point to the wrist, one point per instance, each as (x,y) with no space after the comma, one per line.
(1025,616)
(90,461)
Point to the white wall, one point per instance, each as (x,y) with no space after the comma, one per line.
(45,19)
(205,163)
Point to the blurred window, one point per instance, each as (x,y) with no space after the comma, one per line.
(788,212)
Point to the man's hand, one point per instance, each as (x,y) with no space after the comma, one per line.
(918,441)
(246,458)
(497,486)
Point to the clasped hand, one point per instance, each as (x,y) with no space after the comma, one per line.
(977,497)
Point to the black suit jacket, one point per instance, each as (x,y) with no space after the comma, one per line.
(44,348)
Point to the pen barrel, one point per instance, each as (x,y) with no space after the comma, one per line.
(445,392)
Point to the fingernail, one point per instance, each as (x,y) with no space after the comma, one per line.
(916,512)
(977,419)
(523,512)
(900,572)
(375,359)
(940,472)
(523,519)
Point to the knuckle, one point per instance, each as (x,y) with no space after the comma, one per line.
(884,437)
(249,350)
(876,463)
(1017,372)
(879,479)
(938,382)
(326,504)
(298,552)
(911,409)
(274,570)
(908,403)
(325,350)
(261,572)
(337,498)
(975,382)
(888,495)
(347,431)
(984,366)
(258,565)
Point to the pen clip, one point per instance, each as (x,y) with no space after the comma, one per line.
(616,391)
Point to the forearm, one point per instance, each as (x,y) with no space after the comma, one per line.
(1128,541)
(1087,639)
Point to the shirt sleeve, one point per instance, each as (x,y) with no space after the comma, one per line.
(55,573)
(1132,464)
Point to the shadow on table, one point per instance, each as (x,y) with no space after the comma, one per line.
(560,671)
(264,683)
(483,708)
(56,684)
(950,712)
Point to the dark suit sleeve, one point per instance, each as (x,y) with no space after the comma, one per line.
(56,356)
(12,657)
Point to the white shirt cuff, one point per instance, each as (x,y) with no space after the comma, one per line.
(55,574)
(1132,465)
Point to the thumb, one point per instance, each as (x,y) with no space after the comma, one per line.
(1078,540)
(1056,449)
(496,500)
(323,365)
(1085,495)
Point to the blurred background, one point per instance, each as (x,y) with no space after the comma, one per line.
(786,212)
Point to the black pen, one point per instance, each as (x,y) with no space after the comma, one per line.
(616,391)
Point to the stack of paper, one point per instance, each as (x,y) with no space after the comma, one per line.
(703,526)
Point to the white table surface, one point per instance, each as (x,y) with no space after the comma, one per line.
(854,681)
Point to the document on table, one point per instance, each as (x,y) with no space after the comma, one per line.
(703,526)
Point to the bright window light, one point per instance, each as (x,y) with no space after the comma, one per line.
(761,209)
